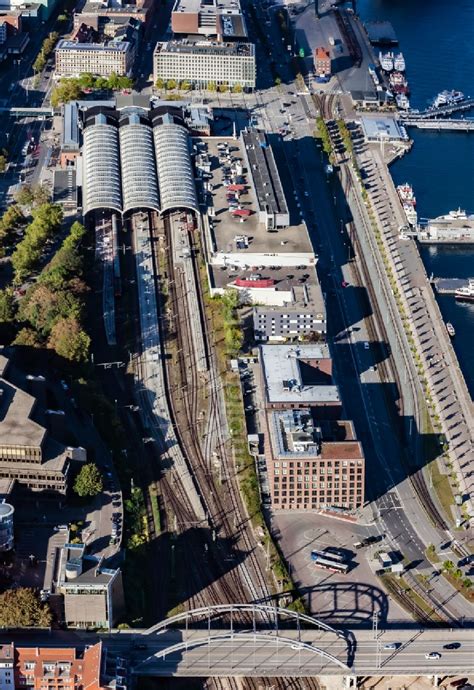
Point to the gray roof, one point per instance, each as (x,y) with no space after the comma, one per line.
(174,167)
(283,379)
(16,426)
(264,171)
(101,181)
(71,126)
(115,46)
(137,161)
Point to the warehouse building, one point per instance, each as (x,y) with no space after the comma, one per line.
(260,162)
(203,62)
(137,159)
(101,59)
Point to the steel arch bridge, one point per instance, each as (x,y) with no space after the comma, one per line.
(188,640)
(263,610)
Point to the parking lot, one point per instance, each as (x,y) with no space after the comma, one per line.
(337,598)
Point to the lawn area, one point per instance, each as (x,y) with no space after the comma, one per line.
(401,591)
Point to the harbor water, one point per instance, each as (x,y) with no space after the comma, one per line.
(436,40)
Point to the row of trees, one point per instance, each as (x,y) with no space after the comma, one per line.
(51,312)
(172,84)
(46,50)
(323,134)
(46,219)
(233,335)
(72,89)
(11,221)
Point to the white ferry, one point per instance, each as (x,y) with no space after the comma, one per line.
(410,212)
(466,293)
(399,62)
(386,61)
(450,329)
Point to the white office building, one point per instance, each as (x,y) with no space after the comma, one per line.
(202,62)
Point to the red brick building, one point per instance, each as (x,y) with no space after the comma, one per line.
(311,464)
(322,62)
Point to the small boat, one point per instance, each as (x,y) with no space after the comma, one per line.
(450,329)
(405,192)
(386,61)
(402,101)
(399,62)
(448,98)
(466,293)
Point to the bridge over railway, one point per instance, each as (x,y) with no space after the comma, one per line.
(261,640)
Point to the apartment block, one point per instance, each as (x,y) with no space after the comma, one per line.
(101,59)
(55,668)
(201,62)
(312,464)
(302,318)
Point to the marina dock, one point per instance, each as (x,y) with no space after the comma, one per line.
(450,125)
(433,113)
(448,286)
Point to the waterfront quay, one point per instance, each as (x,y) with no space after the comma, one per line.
(447,387)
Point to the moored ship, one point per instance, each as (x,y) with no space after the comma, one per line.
(450,329)
(399,62)
(402,101)
(405,192)
(465,293)
(386,61)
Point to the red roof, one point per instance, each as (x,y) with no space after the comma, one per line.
(236,188)
(261,283)
(241,212)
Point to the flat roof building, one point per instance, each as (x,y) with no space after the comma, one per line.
(303,317)
(263,174)
(28,454)
(295,376)
(101,59)
(223,18)
(312,464)
(382,128)
(203,62)
(93,594)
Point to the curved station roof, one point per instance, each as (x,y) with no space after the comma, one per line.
(175,172)
(130,161)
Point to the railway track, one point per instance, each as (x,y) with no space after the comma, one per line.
(230,584)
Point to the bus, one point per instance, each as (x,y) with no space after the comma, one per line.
(327,564)
(329,555)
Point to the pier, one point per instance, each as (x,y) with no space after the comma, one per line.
(448,286)
(431,113)
(466,125)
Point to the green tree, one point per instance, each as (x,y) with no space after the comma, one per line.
(467,583)
(69,340)
(27,337)
(171,84)
(448,566)
(223,88)
(42,307)
(24,196)
(88,481)
(86,80)
(3,162)
(7,305)
(237,88)
(40,62)
(21,608)
(67,90)
(233,338)
(160,84)
(185,86)
(211,86)
(277,81)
